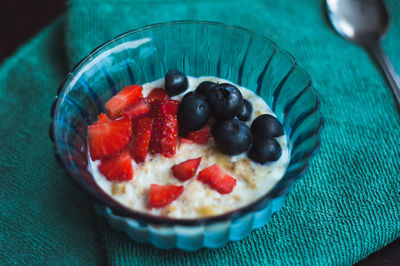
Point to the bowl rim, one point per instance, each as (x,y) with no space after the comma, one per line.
(124,211)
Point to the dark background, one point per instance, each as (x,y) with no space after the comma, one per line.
(18,25)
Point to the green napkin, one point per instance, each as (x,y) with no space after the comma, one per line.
(343,209)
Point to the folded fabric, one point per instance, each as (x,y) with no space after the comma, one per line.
(343,209)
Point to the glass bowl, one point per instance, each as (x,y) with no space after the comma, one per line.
(197,49)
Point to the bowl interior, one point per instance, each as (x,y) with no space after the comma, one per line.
(197,49)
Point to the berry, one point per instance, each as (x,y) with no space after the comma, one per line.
(266,126)
(244,111)
(224,100)
(164,135)
(122,100)
(157,93)
(265,150)
(205,87)
(161,196)
(231,136)
(118,168)
(142,133)
(185,140)
(189,94)
(201,136)
(193,112)
(169,137)
(175,82)
(217,179)
(108,138)
(101,119)
(136,110)
(186,169)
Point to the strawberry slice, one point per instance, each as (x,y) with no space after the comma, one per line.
(122,100)
(186,169)
(169,136)
(201,136)
(185,140)
(158,93)
(141,142)
(164,136)
(101,119)
(136,110)
(217,179)
(160,196)
(117,168)
(108,138)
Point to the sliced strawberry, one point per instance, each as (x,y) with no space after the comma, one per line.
(122,100)
(169,136)
(217,179)
(141,142)
(160,196)
(184,140)
(186,169)
(117,168)
(164,136)
(101,119)
(158,93)
(137,109)
(108,138)
(201,136)
(171,107)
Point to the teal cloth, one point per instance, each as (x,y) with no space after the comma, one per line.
(344,208)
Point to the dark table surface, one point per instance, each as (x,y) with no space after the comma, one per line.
(18,25)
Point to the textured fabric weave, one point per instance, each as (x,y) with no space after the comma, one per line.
(345,207)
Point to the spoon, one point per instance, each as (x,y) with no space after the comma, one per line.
(365,22)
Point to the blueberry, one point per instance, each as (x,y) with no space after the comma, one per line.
(205,87)
(193,112)
(264,150)
(231,136)
(244,111)
(175,82)
(224,100)
(188,94)
(266,126)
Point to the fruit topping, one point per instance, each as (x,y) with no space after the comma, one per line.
(231,136)
(169,136)
(164,136)
(117,168)
(122,100)
(217,179)
(205,87)
(161,196)
(201,136)
(175,82)
(158,93)
(186,169)
(190,93)
(264,150)
(101,119)
(108,138)
(244,111)
(137,109)
(193,112)
(266,126)
(224,100)
(142,134)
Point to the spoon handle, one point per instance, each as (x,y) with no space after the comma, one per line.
(388,69)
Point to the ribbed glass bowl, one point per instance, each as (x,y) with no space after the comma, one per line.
(197,49)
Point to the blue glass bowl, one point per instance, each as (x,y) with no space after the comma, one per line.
(197,49)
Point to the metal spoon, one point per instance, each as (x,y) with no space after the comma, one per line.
(365,22)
